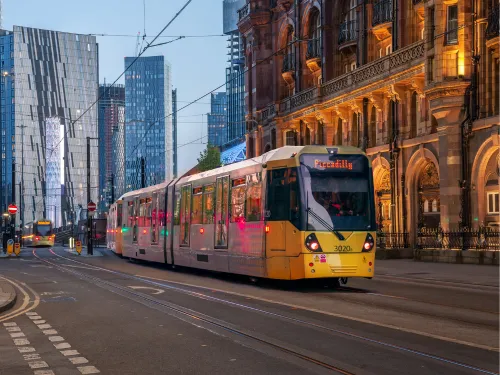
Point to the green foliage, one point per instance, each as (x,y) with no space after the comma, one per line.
(209,159)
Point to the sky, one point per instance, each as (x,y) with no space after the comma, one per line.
(198,64)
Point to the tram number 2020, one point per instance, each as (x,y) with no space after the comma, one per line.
(342,249)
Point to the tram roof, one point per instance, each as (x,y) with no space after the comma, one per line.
(279,154)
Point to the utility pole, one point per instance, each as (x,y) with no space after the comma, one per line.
(143,172)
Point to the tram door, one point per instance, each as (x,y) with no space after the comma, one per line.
(185,215)
(221,212)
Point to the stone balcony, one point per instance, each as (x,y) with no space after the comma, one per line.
(402,64)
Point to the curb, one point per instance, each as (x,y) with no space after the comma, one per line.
(11,302)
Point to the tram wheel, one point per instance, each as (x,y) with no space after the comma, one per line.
(343,280)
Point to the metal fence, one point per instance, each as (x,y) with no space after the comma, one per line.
(481,239)
(393,240)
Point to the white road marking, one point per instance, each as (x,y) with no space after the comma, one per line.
(39,321)
(13,329)
(38,364)
(50,332)
(30,357)
(31,313)
(78,360)
(26,349)
(44,372)
(56,338)
(34,317)
(67,353)
(62,345)
(157,291)
(44,326)
(10,324)
(17,334)
(21,342)
(88,370)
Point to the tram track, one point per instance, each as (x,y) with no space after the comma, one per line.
(188,313)
(200,295)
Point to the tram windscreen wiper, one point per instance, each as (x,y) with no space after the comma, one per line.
(325,224)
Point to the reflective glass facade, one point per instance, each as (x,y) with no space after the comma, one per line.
(52,81)
(235,79)
(111,111)
(217,119)
(148,121)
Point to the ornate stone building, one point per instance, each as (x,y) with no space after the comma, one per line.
(415,83)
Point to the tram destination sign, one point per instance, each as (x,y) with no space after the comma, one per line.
(337,163)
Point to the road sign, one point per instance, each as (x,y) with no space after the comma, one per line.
(91,206)
(17,248)
(12,209)
(78,246)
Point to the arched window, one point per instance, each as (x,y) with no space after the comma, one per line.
(413,124)
(426,206)
(320,137)
(435,205)
(273,138)
(339,134)
(289,58)
(314,44)
(291,138)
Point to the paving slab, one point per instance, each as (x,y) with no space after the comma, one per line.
(8,295)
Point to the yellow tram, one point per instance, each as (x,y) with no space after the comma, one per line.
(297,212)
(40,233)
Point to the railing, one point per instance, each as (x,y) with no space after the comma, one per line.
(393,240)
(382,12)
(348,32)
(313,49)
(493,19)
(244,11)
(393,61)
(288,63)
(267,112)
(481,239)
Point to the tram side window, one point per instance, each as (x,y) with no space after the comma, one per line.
(254,197)
(161,210)
(177,208)
(197,210)
(131,214)
(278,195)
(148,212)
(119,215)
(208,204)
(294,197)
(238,200)
(154,218)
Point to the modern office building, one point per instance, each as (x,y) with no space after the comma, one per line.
(216,119)
(235,82)
(49,81)
(148,122)
(111,111)
(174,131)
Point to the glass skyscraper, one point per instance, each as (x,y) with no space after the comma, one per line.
(235,82)
(49,81)
(148,122)
(111,149)
(217,119)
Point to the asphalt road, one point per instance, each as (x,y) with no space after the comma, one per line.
(111,316)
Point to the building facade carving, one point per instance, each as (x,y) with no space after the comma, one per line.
(396,79)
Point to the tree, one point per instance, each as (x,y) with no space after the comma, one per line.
(209,159)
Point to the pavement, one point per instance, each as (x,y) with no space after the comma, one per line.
(8,295)
(110,315)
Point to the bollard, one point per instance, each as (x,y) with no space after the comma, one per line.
(71,243)
(78,247)
(17,248)
(10,246)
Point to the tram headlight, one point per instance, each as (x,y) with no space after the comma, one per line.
(369,243)
(312,243)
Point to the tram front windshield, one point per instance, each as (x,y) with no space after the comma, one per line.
(43,230)
(338,189)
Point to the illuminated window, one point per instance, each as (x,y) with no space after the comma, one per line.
(353,66)
(254,197)
(493,203)
(426,205)
(388,49)
(208,204)
(435,205)
(197,209)
(452,25)
(238,188)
